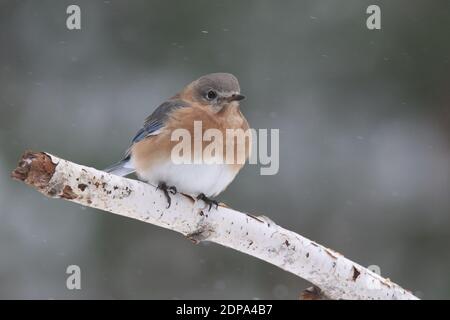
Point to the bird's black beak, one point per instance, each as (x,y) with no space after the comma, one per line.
(236,97)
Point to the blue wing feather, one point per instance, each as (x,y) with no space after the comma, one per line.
(152,124)
(157,119)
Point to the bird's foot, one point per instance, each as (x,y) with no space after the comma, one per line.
(208,201)
(167,190)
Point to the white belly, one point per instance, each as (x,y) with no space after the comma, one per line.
(209,179)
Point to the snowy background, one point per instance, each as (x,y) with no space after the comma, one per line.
(364,119)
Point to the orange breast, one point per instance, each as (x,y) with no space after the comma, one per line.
(153,150)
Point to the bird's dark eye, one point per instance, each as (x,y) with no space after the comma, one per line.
(211,95)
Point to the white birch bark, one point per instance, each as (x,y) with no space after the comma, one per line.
(336,276)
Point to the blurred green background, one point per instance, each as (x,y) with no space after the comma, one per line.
(364,138)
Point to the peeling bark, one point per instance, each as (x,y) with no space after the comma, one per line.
(333,275)
(313,293)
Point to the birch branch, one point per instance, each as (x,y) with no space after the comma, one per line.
(335,276)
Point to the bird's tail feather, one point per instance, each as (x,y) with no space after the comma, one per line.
(121,168)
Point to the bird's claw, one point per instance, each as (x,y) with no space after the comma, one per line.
(162,186)
(208,201)
(172,190)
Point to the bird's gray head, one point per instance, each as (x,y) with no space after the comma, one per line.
(216,90)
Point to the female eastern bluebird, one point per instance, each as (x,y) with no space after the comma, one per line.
(212,99)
